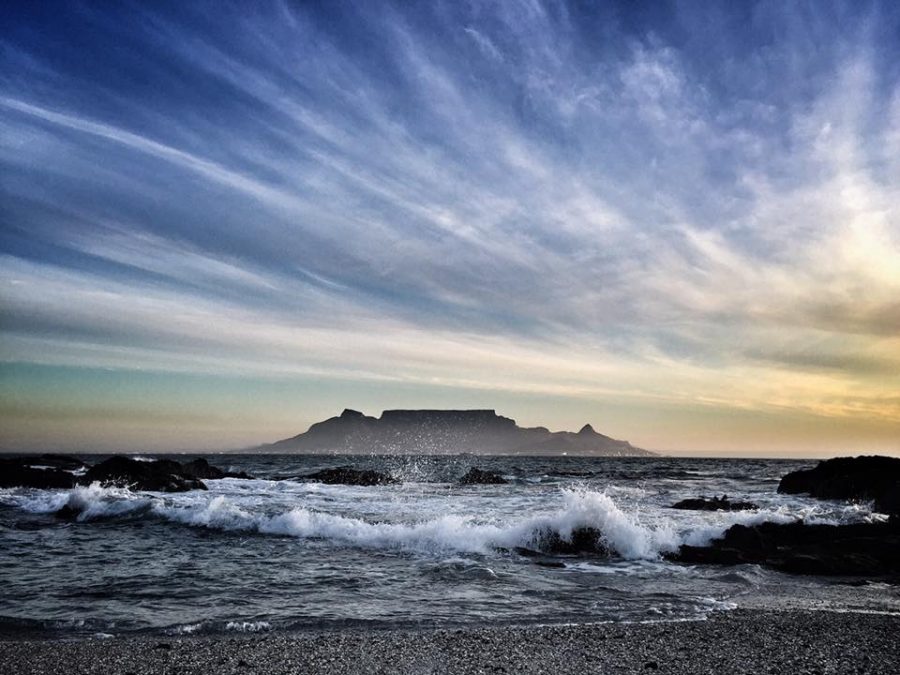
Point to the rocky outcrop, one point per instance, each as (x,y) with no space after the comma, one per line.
(62,462)
(715,504)
(855,478)
(346,475)
(445,432)
(33,473)
(62,472)
(163,475)
(477,476)
(862,549)
(581,541)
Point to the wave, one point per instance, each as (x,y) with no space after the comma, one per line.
(86,503)
(597,513)
(616,530)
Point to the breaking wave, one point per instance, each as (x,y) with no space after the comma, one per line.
(85,503)
(618,531)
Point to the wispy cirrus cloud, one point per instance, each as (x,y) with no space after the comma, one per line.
(697,206)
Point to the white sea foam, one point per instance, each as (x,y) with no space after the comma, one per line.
(447,533)
(89,502)
(265,507)
(248,626)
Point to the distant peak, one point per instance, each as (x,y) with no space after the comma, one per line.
(587,429)
(348,413)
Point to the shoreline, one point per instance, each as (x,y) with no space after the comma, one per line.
(734,641)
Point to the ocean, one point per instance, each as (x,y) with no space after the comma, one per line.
(270,554)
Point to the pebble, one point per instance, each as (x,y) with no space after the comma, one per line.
(740,641)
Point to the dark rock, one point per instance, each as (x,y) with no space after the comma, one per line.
(861,549)
(19,472)
(583,540)
(162,475)
(67,513)
(855,478)
(477,476)
(64,462)
(200,468)
(346,475)
(715,504)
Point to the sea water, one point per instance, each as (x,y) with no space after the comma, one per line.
(274,553)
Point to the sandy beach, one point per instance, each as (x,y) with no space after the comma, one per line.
(740,641)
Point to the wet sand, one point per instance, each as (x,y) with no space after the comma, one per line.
(740,641)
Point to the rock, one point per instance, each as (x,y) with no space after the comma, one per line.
(67,513)
(64,462)
(855,478)
(583,540)
(861,549)
(346,475)
(476,476)
(162,475)
(20,472)
(715,504)
(200,468)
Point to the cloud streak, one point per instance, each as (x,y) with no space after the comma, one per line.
(693,206)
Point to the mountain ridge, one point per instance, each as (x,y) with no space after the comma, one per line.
(430,431)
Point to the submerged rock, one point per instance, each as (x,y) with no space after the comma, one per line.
(862,549)
(29,472)
(855,478)
(162,475)
(477,476)
(346,475)
(715,504)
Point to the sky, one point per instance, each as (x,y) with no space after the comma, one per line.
(679,222)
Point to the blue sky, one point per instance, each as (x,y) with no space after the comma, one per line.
(677,221)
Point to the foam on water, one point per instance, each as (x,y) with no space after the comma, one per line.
(428,549)
(621,532)
(244,506)
(91,502)
(248,626)
(460,533)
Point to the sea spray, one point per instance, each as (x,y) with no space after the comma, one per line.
(619,531)
(300,554)
(85,503)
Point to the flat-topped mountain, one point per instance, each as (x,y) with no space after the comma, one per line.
(445,432)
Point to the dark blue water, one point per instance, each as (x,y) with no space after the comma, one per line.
(267,554)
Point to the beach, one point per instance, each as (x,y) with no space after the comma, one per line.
(738,641)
